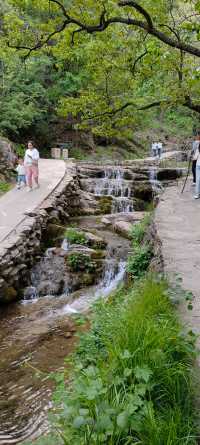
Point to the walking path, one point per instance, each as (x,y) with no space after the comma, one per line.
(178,225)
(15,203)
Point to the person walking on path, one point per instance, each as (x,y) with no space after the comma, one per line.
(197,157)
(31,164)
(194,155)
(21,173)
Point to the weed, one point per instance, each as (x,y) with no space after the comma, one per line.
(138,263)
(75,237)
(81,262)
(138,230)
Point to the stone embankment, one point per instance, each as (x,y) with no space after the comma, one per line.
(85,189)
(19,251)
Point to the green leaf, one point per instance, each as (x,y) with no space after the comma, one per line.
(123,420)
(78,422)
(143,374)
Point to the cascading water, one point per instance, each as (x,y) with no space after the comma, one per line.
(37,333)
(156,185)
(115,185)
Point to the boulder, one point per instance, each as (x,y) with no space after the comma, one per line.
(123,228)
(95,241)
(143,191)
(168,174)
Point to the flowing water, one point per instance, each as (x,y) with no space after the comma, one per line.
(38,332)
(114,184)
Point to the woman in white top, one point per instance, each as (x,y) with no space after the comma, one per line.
(31,164)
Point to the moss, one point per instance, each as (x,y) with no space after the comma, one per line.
(9,294)
(88,279)
(105,204)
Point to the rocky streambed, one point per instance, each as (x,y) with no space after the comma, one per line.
(85,260)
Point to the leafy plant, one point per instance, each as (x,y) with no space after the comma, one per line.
(20,150)
(131,375)
(139,261)
(81,262)
(138,230)
(75,237)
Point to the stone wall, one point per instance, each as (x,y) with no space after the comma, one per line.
(21,249)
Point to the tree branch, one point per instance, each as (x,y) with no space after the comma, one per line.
(104,24)
(138,8)
(137,60)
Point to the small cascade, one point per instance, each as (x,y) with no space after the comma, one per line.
(65,245)
(156,185)
(113,184)
(112,277)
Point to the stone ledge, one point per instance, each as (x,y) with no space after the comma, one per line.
(19,249)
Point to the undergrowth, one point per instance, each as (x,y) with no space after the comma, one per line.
(139,261)
(74,236)
(130,380)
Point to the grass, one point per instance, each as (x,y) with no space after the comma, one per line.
(130,380)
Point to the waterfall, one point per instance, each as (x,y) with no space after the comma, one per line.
(113,184)
(113,276)
(156,185)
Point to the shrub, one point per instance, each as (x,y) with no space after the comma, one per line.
(75,237)
(81,262)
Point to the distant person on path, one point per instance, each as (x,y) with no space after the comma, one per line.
(21,173)
(197,158)
(159,149)
(194,155)
(154,149)
(31,164)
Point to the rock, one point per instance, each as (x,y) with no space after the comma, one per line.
(30,293)
(143,191)
(8,294)
(49,287)
(95,241)
(168,174)
(123,228)
(129,217)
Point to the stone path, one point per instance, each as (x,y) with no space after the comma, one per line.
(178,225)
(15,203)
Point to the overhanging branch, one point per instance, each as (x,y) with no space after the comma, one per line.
(103,24)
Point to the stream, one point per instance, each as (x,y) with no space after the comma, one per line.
(38,332)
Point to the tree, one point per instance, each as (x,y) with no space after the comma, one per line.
(146,56)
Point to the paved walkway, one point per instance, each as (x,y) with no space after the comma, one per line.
(15,203)
(178,225)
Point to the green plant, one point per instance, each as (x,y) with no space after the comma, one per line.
(131,375)
(138,230)
(4,187)
(75,237)
(138,263)
(81,262)
(20,150)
